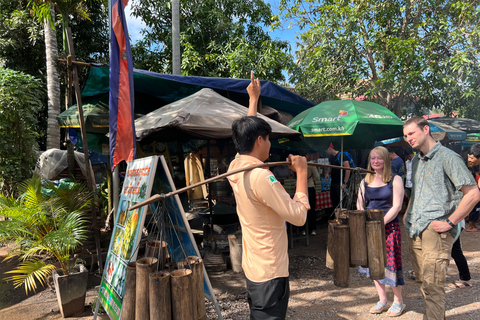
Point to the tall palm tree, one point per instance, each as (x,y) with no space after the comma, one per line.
(44,10)
(53,81)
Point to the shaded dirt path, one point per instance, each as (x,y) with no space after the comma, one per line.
(313,295)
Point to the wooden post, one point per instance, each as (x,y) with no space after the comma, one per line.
(88,166)
(376,263)
(70,149)
(144,268)
(182,292)
(128,304)
(330,244)
(235,245)
(341,257)
(377,214)
(358,238)
(160,296)
(199,309)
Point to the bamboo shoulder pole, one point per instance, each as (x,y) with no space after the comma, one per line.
(159,197)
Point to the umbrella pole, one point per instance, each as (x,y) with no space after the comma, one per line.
(341,173)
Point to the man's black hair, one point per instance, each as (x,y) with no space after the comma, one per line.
(475,150)
(245,132)
(390,150)
(408,151)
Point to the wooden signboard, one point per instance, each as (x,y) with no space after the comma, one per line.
(126,234)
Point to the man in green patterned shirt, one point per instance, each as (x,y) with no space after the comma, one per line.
(443,194)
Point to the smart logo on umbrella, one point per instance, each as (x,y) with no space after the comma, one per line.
(342,113)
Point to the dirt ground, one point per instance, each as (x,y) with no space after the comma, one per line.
(313,295)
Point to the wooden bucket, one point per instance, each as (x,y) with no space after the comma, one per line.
(144,268)
(157,249)
(341,239)
(375,242)
(377,214)
(341,213)
(330,244)
(160,296)
(128,304)
(196,264)
(182,294)
(358,238)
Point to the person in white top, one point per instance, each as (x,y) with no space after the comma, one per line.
(408,172)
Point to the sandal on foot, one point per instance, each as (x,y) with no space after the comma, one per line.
(459,284)
(396,309)
(379,307)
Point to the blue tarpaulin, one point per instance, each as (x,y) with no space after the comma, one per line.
(170,88)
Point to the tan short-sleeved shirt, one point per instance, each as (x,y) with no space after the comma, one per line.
(263,207)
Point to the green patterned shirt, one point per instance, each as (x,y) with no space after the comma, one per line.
(437,179)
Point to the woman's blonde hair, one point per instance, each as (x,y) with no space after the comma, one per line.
(387,167)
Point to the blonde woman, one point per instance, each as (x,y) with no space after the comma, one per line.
(384,191)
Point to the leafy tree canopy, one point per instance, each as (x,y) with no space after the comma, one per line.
(223,38)
(21,39)
(401,53)
(20,101)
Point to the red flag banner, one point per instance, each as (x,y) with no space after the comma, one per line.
(121,101)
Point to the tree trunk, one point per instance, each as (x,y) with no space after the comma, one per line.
(176,38)
(53,84)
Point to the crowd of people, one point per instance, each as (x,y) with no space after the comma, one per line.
(440,189)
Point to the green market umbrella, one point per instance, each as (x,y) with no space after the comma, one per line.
(95,112)
(471,139)
(351,124)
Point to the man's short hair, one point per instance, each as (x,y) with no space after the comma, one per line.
(390,150)
(408,151)
(245,132)
(421,122)
(475,150)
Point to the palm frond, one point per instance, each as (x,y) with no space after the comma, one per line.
(28,272)
(51,226)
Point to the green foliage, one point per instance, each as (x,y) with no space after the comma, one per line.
(101,197)
(21,39)
(91,36)
(218,38)
(399,53)
(20,101)
(51,227)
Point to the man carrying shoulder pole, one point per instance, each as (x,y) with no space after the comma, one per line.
(263,208)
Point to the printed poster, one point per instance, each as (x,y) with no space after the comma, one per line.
(126,234)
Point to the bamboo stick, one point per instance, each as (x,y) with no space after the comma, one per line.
(358,238)
(160,298)
(159,197)
(128,305)
(341,274)
(376,263)
(142,302)
(86,64)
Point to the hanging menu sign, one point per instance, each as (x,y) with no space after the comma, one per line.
(127,233)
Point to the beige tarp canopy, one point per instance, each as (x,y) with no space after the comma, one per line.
(202,115)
